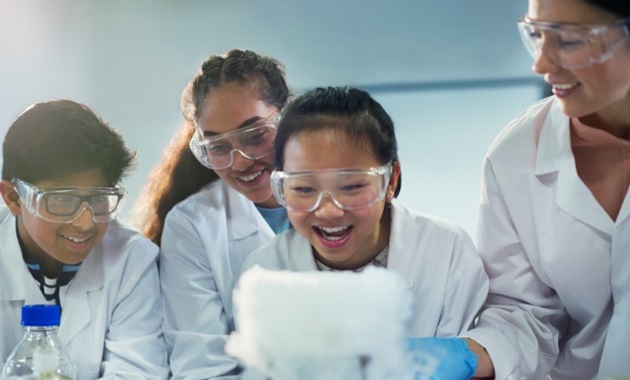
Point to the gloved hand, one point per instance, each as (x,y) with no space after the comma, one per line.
(441,359)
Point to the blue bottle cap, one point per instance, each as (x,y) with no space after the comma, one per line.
(41,315)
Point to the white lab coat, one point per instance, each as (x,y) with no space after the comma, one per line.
(555,258)
(111,312)
(205,241)
(436,259)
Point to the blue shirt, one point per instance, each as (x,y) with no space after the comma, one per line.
(277,218)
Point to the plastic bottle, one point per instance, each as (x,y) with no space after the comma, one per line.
(40,355)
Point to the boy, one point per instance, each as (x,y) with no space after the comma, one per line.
(60,244)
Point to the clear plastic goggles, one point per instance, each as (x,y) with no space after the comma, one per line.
(349,189)
(65,205)
(573,46)
(253,143)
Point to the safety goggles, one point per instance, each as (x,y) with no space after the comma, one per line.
(349,189)
(65,205)
(253,143)
(573,46)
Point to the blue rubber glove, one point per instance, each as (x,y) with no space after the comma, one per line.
(441,359)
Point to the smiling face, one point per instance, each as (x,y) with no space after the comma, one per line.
(54,243)
(341,239)
(601,88)
(227,108)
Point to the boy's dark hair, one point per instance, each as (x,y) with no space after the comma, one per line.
(343,109)
(59,138)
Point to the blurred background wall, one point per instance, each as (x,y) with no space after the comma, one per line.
(451,73)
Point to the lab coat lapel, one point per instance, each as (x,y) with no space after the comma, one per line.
(576,199)
(624,213)
(244,218)
(76,313)
(555,155)
(17,285)
(615,355)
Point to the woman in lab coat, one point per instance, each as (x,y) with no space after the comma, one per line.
(554,229)
(214,185)
(60,244)
(337,172)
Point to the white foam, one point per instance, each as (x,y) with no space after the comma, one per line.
(316,324)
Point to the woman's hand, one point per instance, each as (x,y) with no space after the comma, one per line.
(442,358)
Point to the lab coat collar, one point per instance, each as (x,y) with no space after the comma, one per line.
(400,233)
(554,143)
(300,252)
(244,218)
(12,268)
(554,155)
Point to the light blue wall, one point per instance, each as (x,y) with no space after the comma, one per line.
(442,137)
(129,61)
